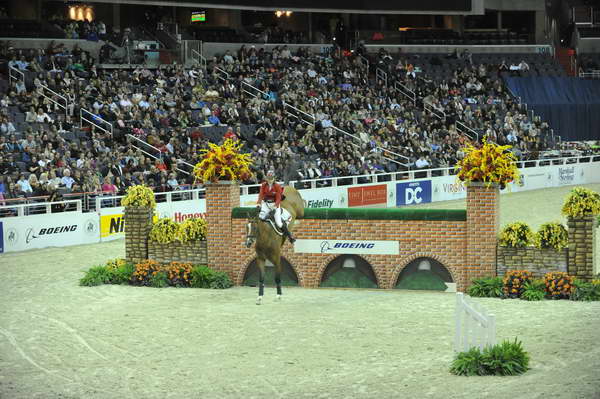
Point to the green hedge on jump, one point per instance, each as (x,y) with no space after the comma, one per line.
(368,214)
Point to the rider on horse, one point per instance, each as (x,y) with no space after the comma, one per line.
(269,200)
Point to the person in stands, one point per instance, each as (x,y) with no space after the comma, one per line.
(269,201)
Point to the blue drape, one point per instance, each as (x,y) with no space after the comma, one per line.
(571,106)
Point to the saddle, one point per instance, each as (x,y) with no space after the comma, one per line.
(271,220)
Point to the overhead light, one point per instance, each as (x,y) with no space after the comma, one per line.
(283,13)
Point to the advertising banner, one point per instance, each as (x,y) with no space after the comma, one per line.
(367,195)
(51,230)
(326,197)
(416,192)
(347,247)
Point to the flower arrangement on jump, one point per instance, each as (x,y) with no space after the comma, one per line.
(223,162)
(166,231)
(139,196)
(581,202)
(488,163)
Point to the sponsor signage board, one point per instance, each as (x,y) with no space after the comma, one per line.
(51,230)
(326,197)
(367,195)
(348,247)
(416,192)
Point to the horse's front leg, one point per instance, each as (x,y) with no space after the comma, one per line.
(260,262)
(278,277)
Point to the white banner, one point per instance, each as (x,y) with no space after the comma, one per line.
(356,247)
(51,230)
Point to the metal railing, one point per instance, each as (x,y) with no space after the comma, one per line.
(87,116)
(221,74)
(405,91)
(366,62)
(159,154)
(381,149)
(39,208)
(111,201)
(54,97)
(594,74)
(199,58)
(434,111)
(475,327)
(254,91)
(297,113)
(15,74)
(380,74)
(467,131)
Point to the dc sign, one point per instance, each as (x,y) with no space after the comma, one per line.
(417,192)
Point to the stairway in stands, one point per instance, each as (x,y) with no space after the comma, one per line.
(566,57)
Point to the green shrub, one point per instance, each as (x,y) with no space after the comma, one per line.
(552,235)
(534,290)
(96,276)
(122,274)
(507,358)
(516,235)
(487,287)
(584,291)
(159,280)
(201,277)
(220,280)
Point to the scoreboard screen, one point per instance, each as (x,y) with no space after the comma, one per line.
(199,16)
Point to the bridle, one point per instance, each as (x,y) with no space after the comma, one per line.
(251,231)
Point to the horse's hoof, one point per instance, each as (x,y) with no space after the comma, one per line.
(279,297)
(259,300)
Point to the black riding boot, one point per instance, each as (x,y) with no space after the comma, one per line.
(287,232)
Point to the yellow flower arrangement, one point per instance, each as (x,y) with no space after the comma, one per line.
(552,235)
(580,202)
(489,163)
(140,196)
(516,235)
(164,231)
(224,162)
(192,229)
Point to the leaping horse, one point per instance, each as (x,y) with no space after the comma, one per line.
(269,242)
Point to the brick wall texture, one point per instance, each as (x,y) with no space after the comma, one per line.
(138,223)
(582,247)
(538,261)
(189,252)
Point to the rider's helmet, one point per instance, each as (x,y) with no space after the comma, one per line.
(270,176)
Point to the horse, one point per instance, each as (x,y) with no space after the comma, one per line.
(269,242)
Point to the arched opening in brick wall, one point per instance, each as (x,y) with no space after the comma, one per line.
(349,271)
(289,278)
(424,274)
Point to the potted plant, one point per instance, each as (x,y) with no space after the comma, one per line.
(489,164)
(223,163)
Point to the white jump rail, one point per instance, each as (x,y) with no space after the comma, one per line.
(54,97)
(15,74)
(41,208)
(474,326)
(87,116)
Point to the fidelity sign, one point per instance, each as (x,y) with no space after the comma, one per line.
(357,247)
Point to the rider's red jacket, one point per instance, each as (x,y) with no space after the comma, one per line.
(270,193)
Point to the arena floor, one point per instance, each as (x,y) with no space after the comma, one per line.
(60,340)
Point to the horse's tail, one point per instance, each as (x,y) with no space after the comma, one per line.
(294,201)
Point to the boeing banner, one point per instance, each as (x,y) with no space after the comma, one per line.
(416,192)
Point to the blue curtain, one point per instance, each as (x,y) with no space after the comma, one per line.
(571,106)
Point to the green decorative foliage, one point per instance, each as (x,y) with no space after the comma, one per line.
(220,280)
(164,231)
(584,291)
(97,275)
(487,287)
(516,235)
(201,277)
(121,271)
(159,280)
(368,214)
(514,282)
(507,358)
(552,235)
(581,202)
(534,290)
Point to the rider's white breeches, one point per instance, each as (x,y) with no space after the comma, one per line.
(281,215)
